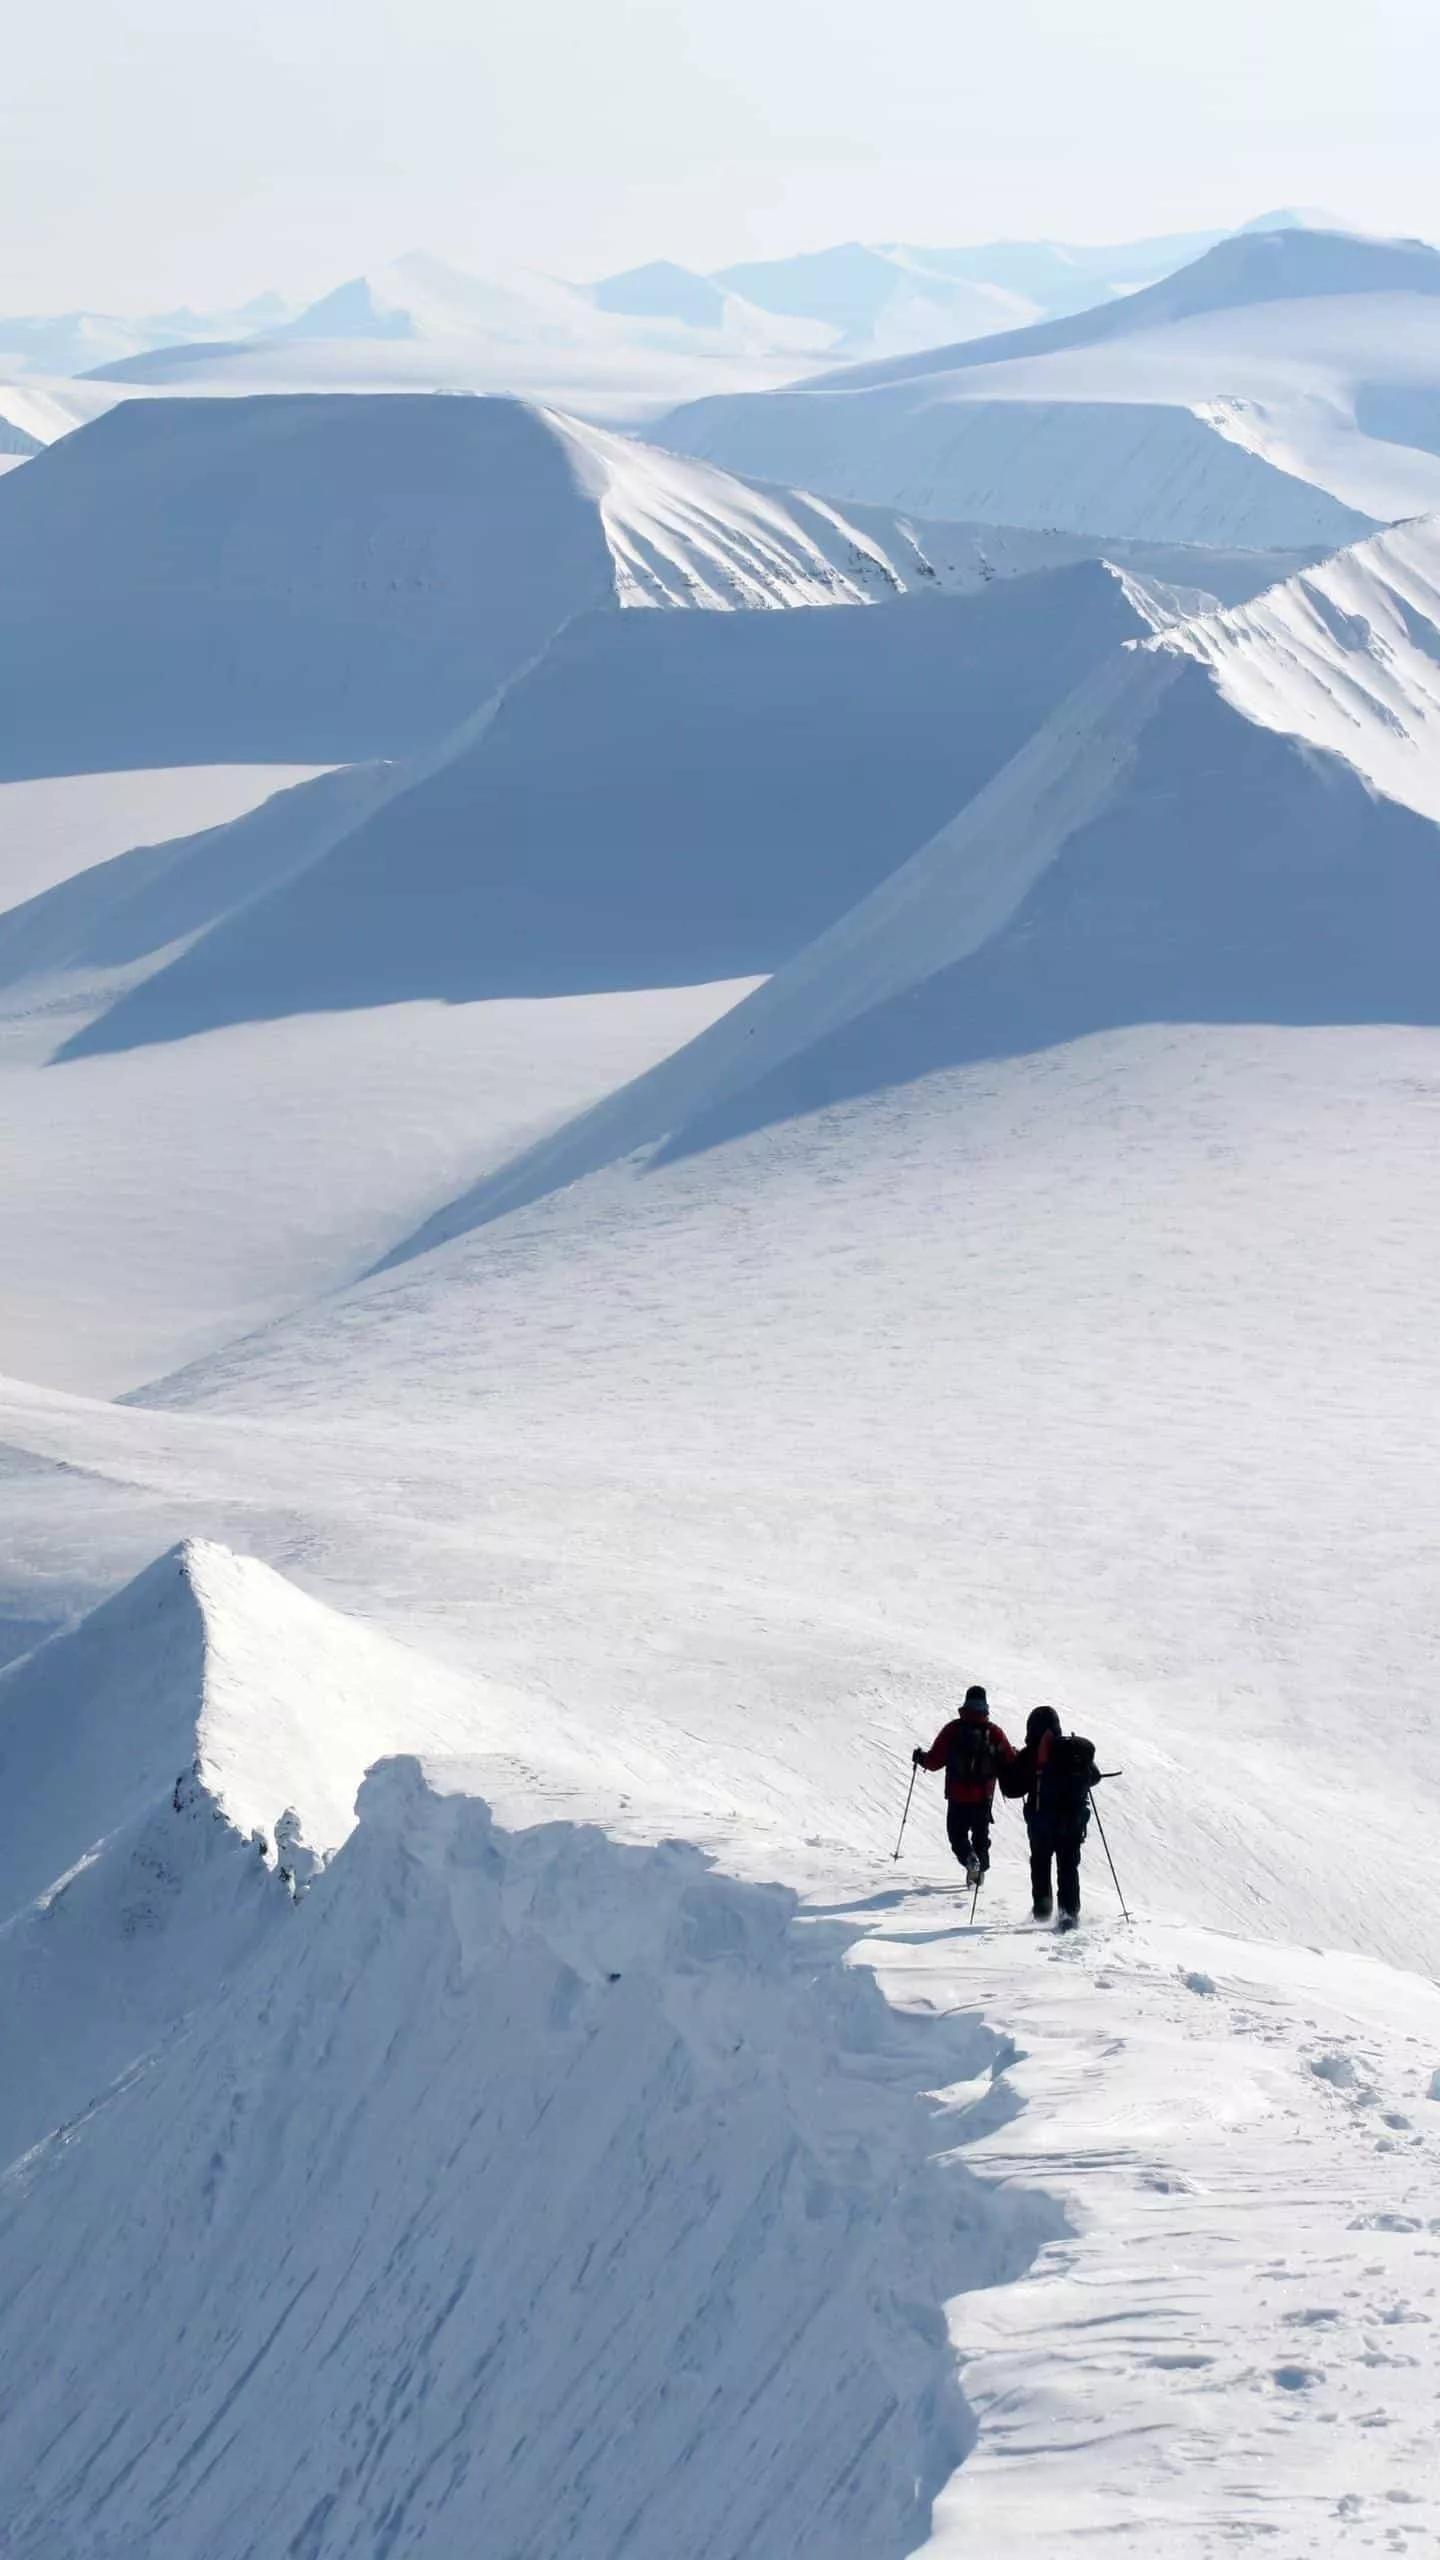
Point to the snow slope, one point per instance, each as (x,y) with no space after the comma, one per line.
(372,990)
(476,2074)
(865,291)
(1147,752)
(647,808)
(409,2362)
(320,580)
(1276,391)
(877,299)
(56,825)
(1030,1163)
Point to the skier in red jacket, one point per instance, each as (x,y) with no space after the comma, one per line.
(972,1752)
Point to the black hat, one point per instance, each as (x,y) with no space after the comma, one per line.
(976,1703)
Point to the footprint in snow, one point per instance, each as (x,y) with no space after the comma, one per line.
(1337,2068)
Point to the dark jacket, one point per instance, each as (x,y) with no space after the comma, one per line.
(1054,1773)
(973,1753)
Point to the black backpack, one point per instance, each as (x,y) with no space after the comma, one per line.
(1062,1788)
(972,1759)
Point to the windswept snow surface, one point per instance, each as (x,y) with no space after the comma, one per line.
(1284,389)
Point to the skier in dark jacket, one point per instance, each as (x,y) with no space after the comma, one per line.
(1054,1773)
(972,1752)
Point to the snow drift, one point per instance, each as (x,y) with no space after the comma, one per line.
(672,2244)
(1274,392)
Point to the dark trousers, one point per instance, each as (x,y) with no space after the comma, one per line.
(967,1827)
(1062,1850)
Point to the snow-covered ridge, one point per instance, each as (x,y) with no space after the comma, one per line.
(1249,268)
(686,534)
(1283,389)
(1343,658)
(1346,656)
(349,577)
(666,2264)
(212,1663)
(626,816)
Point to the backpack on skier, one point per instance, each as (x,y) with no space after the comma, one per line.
(1064,1775)
(972,1757)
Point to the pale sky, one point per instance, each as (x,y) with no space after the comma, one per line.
(158,151)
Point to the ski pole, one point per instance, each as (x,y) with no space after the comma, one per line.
(974,1898)
(1105,1845)
(905,1816)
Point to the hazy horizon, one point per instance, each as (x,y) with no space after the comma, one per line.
(159,153)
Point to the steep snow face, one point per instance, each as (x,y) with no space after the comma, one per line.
(34,412)
(648,808)
(17,442)
(1270,392)
(307,579)
(209,1663)
(1347,657)
(244,1066)
(679,535)
(1105,468)
(557,2145)
(1343,658)
(670,2191)
(329,579)
(56,826)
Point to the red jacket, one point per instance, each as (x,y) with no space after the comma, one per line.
(970,1790)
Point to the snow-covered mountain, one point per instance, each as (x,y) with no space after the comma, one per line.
(316,579)
(1283,388)
(77,342)
(616,1181)
(627,814)
(893,295)
(1184,935)
(878,298)
(474,946)
(421,324)
(1311,715)
(623,348)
